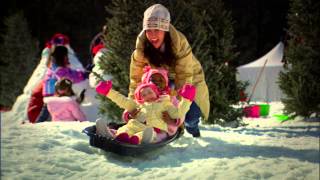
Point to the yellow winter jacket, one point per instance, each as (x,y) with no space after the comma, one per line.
(151,113)
(187,68)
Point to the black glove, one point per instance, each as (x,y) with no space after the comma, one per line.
(81,96)
(89,67)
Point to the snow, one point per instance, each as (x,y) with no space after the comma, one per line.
(264,149)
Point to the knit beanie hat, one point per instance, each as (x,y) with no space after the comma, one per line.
(58,39)
(156,17)
(137,92)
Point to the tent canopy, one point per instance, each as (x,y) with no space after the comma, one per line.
(267,88)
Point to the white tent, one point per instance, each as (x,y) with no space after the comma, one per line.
(264,72)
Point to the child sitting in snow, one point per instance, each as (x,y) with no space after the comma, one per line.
(59,69)
(148,122)
(64,106)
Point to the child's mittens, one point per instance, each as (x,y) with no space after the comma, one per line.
(188,91)
(104,87)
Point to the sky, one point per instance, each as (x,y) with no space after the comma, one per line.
(263,149)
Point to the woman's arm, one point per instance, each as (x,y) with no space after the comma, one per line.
(136,71)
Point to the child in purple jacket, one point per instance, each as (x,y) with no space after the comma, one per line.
(58,69)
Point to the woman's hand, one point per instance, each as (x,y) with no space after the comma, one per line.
(188,91)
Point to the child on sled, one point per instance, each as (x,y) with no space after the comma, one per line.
(148,121)
(159,77)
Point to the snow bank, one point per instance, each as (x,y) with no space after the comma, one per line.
(265,149)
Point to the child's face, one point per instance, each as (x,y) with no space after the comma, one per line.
(159,81)
(148,95)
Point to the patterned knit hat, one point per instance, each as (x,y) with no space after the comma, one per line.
(156,17)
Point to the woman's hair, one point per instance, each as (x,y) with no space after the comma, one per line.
(59,54)
(158,58)
(63,87)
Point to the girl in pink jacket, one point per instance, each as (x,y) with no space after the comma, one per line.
(64,106)
(58,69)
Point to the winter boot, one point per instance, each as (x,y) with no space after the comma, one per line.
(123,137)
(134,140)
(103,129)
(148,136)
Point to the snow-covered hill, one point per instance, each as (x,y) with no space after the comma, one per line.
(265,149)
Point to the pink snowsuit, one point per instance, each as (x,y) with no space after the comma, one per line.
(64,108)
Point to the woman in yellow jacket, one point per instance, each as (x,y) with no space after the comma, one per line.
(161,45)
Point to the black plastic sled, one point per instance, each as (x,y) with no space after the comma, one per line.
(121,148)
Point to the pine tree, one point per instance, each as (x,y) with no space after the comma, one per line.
(18,58)
(211,36)
(300,81)
(120,37)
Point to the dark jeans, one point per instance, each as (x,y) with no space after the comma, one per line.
(44,115)
(192,119)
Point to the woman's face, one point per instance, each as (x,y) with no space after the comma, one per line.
(155,37)
(148,95)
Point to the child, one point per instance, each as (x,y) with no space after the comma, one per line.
(63,106)
(148,121)
(59,69)
(159,77)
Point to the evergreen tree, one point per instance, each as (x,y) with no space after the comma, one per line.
(120,37)
(300,81)
(217,54)
(18,58)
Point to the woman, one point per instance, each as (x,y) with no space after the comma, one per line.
(161,45)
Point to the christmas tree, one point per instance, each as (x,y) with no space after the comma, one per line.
(300,81)
(18,53)
(216,53)
(122,30)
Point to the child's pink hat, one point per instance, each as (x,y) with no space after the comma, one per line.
(137,94)
(148,72)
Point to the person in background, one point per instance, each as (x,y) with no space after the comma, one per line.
(58,69)
(64,106)
(98,50)
(160,44)
(36,101)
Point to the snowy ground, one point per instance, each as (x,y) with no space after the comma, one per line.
(265,149)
